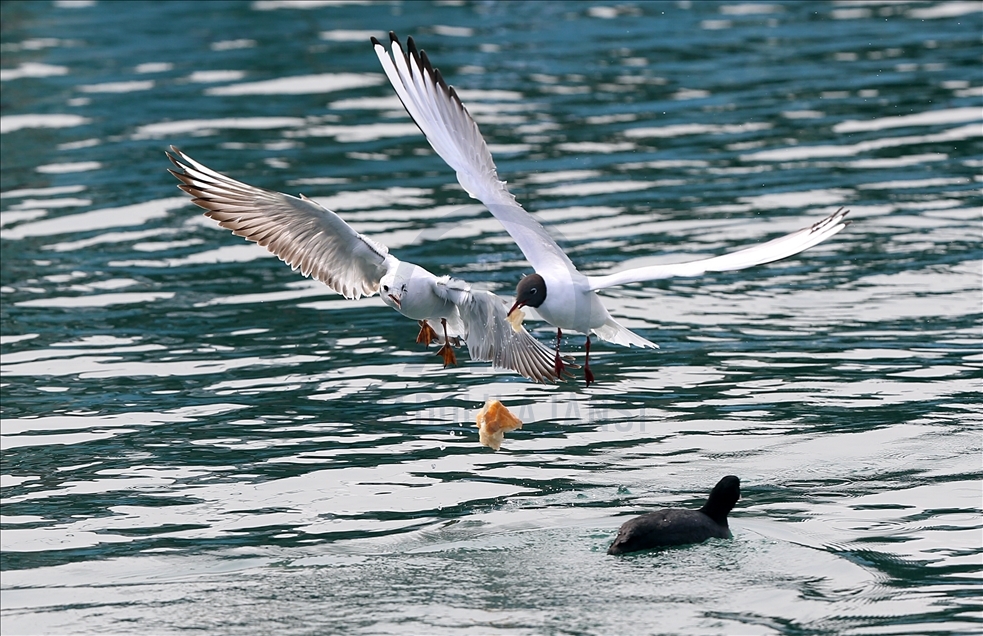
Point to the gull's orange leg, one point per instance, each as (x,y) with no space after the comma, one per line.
(426,335)
(447,352)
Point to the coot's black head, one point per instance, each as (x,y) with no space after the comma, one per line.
(531,291)
(722,499)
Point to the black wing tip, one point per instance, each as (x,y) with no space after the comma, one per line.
(177,164)
(440,80)
(454,96)
(434,72)
(836,218)
(375,41)
(423,61)
(177,158)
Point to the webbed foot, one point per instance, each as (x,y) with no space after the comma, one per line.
(426,335)
(588,376)
(559,367)
(447,353)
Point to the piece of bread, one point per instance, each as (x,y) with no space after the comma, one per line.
(515,319)
(493,422)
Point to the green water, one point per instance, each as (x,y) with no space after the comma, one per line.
(195,438)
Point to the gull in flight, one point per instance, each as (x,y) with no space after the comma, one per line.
(562,295)
(321,245)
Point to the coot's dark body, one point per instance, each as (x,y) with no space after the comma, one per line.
(673,526)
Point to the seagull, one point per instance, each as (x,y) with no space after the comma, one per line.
(321,245)
(562,295)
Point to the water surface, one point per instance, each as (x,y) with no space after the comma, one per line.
(196,438)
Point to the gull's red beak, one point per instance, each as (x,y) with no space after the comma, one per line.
(394,299)
(517,305)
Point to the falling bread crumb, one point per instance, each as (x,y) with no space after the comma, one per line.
(515,319)
(493,422)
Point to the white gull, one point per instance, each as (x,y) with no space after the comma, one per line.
(563,296)
(321,245)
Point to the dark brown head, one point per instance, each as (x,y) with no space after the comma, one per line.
(531,292)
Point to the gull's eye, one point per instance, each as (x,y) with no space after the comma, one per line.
(385,288)
(534,291)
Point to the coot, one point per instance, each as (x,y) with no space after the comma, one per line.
(675,526)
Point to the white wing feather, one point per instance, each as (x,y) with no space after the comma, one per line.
(300,232)
(320,244)
(773,250)
(490,336)
(454,135)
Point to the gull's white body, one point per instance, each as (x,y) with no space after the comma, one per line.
(571,304)
(571,300)
(418,294)
(320,244)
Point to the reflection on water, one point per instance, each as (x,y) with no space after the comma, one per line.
(189,425)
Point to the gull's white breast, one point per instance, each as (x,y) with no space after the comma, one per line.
(570,304)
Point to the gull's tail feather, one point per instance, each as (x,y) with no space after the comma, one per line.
(614,331)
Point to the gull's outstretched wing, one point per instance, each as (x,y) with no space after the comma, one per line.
(776,249)
(300,232)
(320,244)
(454,135)
(490,337)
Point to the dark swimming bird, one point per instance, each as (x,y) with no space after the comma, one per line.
(675,526)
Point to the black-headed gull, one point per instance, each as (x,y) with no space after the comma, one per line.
(321,245)
(564,297)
